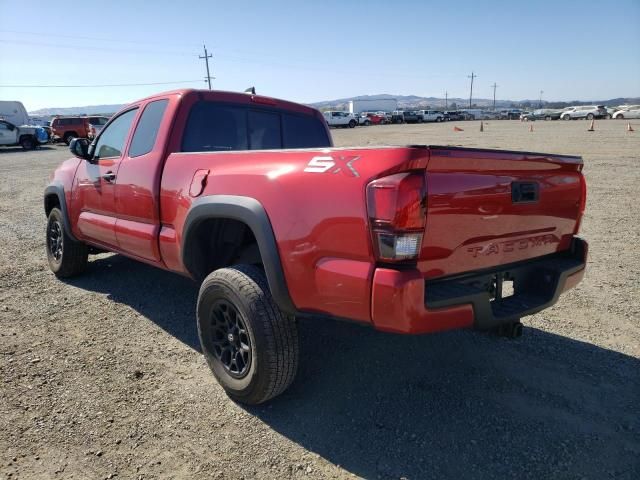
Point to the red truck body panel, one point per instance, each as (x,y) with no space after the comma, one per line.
(319,216)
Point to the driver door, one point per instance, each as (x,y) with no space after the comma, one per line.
(94,188)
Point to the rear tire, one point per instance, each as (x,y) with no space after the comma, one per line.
(250,345)
(66,256)
(590,116)
(69,136)
(352,124)
(28,143)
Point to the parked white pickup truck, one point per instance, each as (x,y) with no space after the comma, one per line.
(431,115)
(28,137)
(340,119)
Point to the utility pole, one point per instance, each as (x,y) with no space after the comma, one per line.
(446,100)
(540,103)
(494,86)
(472,76)
(206,59)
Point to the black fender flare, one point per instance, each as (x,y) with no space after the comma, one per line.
(56,189)
(251,212)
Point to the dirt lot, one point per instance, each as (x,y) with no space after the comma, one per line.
(102,378)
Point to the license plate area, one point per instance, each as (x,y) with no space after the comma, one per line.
(501,286)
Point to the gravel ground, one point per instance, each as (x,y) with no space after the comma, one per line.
(102,378)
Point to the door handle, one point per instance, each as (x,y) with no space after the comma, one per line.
(109,177)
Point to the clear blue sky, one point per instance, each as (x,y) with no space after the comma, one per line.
(311,51)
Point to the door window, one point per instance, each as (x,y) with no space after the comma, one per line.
(111,141)
(147,130)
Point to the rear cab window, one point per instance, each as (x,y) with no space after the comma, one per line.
(217,126)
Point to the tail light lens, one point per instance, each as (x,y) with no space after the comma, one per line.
(397,214)
(583,203)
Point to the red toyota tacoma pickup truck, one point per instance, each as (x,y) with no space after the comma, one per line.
(247,195)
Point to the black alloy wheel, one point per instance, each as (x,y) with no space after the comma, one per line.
(55,240)
(231,341)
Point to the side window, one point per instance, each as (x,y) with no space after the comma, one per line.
(264,130)
(303,131)
(111,141)
(213,127)
(146,132)
(3,126)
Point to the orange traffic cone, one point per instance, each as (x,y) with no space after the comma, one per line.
(591,129)
(481,127)
(457,129)
(531,127)
(629,127)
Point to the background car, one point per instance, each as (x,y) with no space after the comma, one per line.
(490,115)
(511,114)
(340,119)
(541,114)
(362,119)
(397,116)
(630,111)
(584,111)
(431,115)
(411,116)
(453,115)
(376,118)
(67,128)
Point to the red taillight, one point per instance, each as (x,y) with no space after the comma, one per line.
(583,203)
(397,213)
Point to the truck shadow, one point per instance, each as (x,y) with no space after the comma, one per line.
(454,405)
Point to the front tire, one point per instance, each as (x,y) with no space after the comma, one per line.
(249,344)
(590,116)
(66,256)
(352,124)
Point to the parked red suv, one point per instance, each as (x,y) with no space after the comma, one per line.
(66,128)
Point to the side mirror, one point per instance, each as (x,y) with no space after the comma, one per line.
(80,148)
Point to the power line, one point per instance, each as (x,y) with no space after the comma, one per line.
(101,85)
(472,76)
(206,59)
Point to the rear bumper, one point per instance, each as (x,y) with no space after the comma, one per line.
(403,302)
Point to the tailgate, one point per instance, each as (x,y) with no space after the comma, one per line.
(487,208)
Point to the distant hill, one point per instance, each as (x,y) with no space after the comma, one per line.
(88,110)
